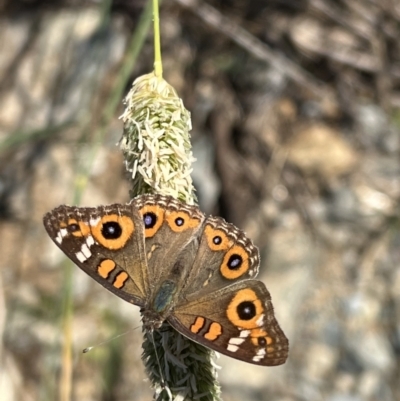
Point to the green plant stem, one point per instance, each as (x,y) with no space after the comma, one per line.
(158,70)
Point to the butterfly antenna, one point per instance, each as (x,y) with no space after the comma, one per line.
(86,350)
(164,386)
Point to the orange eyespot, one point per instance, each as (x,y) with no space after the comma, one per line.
(153,217)
(217,240)
(245,309)
(260,338)
(181,221)
(76,228)
(235,263)
(113,231)
(261,341)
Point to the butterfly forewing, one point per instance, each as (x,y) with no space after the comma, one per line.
(169,227)
(224,256)
(107,243)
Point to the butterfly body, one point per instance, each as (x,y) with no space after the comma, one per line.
(195,272)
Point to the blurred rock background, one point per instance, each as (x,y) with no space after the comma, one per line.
(296,128)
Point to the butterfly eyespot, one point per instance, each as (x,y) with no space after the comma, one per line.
(246,310)
(149,220)
(217,240)
(76,228)
(179,221)
(234,262)
(73,227)
(153,218)
(262,342)
(111,230)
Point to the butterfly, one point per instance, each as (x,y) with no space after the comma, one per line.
(193,271)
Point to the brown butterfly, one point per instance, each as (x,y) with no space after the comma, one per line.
(195,272)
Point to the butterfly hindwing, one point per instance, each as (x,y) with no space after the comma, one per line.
(237,321)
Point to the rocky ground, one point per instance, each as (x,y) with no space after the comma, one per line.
(296,131)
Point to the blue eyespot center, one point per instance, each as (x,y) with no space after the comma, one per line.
(235,261)
(179,221)
(111,230)
(217,240)
(149,220)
